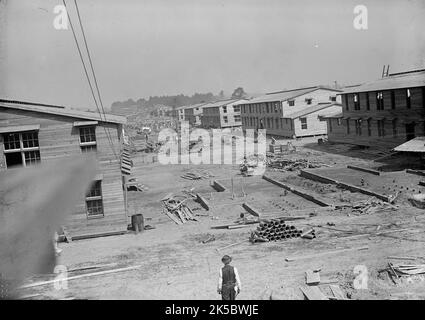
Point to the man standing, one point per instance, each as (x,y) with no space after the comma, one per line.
(229,283)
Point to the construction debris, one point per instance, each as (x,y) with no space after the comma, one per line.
(367,206)
(283,164)
(406,269)
(417,200)
(312,277)
(177,211)
(273,230)
(208,238)
(192,175)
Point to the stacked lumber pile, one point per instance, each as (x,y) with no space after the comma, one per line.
(273,230)
(367,206)
(282,164)
(192,175)
(126,162)
(177,211)
(406,269)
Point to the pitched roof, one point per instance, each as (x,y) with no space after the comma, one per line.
(408,79)
(309,110)
(415,145)
(287,94)
(62,111)
(333,115)
(220,103)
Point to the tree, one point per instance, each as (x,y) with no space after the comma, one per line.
(239,93)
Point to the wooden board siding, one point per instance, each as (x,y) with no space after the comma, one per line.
(314,125)
(284,129)
(416,114)
(58,138)
(211,118)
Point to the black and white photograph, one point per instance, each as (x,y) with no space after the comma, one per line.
(215,150)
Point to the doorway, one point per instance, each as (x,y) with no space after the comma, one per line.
(410,131)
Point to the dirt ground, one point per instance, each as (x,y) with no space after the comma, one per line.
(175,264)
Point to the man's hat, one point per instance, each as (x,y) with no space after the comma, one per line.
(226,259)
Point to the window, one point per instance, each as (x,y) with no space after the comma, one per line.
(392,99)
(88,139)
(291,103)
(408,99)
(308,100)
(276,106)
(94,202)
(348,126)
(367,101)
(237,118)
(369,127)
(303,123)
(21,148)
(236,108)
(394,123)
(379,101)
(225,119)
(356,101)
(224,109)
(358,127)
(332,98)
(381,128)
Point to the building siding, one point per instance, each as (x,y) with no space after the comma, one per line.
(58,138)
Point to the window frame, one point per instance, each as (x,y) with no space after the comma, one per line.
(88,144)
(304,125)
(96,198)
(22,149)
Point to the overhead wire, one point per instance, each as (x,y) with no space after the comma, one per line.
(88,77)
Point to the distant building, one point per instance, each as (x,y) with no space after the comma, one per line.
(383,113)
(31,133)
(291,113)
(222,114)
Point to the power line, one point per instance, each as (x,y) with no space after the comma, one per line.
(87,75)
(91,65)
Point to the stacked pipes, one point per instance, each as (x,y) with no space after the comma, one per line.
(274,230)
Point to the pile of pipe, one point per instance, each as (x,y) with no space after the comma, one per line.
(274,230)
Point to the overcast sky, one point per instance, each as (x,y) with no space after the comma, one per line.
(153,47)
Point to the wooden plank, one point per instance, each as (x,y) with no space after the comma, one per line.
(316,177)
(98,235)
(312,278)
(324,253)
(313,293)
(306,195)
(100,273)
(337,292)
(202,201)
(218,186)
(255,212)
(417,172)
(172,217)
(371,171)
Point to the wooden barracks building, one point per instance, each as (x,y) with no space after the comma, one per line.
(383,113)
(291,113)
(31,133)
